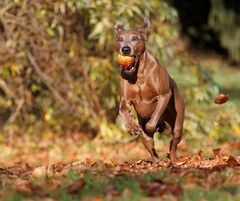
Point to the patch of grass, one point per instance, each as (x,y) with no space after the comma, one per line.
(197,193)
(94,185)
(233,190)
(128,187)
(121,183)
(62,195)
(150,176)
(14,197)
(72,175)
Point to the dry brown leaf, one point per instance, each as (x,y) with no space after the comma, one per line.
(96,199)
(231,162)
(139,162)
(126,193)
(40,171)
(229,148)
(23,186)
(160,188)
(196,158)
(57,168)
(216,152)
(111,192)
(181,161)
(18,170)
(221,98)
(176,190)
(76,186)
(53,183)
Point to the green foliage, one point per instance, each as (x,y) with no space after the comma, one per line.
(226,22)
(58,70)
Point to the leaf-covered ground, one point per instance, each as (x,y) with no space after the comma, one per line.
(73,168)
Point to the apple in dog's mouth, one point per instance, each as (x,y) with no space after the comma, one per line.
(127,63)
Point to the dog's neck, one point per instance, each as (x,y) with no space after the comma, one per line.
(142,63)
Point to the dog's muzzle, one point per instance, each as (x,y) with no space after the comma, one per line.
(126,50)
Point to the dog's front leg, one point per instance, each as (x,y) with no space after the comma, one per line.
(134,128)
(124,111)
(162,103)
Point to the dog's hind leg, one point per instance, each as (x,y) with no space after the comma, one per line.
(177,125)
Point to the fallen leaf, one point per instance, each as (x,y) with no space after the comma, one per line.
(229,148)
(53,183)
(221,98)
(40,171)
(111,192)
(126,193)
(96,199)
(157,189)
(231,162)
(181,161)
(196,158)
(176,190)
(216,152)
(23,186)
(76,186)
(160,188)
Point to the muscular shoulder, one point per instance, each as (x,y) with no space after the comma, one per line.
(159,76)
(127,90)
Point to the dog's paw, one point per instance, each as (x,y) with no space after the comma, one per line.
(134,128)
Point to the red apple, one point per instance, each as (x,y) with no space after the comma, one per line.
(221,98)
(125,61)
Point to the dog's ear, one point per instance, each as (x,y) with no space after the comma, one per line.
(119,26)
(143,30)
(146,23)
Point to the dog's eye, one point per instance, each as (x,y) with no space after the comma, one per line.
(135,38)
(120,39)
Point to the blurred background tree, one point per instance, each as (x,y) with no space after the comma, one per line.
(212,24)
(58,71)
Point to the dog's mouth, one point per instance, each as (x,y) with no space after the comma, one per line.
(131,69)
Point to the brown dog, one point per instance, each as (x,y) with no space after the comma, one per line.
(149,88)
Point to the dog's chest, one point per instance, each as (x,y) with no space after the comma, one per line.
(142,90)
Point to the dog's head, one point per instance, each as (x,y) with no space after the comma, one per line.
(131,42)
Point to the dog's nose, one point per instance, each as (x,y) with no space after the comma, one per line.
(126,50)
